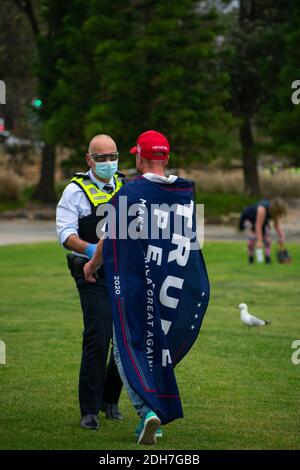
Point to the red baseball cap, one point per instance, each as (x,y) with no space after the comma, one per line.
(150,143)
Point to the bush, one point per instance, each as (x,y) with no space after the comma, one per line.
(11,186)
(283,183)
(217,204)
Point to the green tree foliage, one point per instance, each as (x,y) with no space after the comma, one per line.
(62,50)
(17,55)
(255,40)
(132,66)
(282,116)
(38,14)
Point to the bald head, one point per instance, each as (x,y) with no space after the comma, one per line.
(102,144)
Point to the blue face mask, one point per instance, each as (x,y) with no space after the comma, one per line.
(106,170)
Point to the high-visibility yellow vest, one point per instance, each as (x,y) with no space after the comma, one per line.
(93,193)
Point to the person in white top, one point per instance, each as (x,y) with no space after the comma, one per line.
(76,222)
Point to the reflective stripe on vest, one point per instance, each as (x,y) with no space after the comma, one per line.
(94,194)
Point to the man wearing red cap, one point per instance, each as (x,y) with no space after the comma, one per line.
(153,146)
(157,282)
(152,156)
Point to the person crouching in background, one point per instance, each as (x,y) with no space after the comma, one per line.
(258,217)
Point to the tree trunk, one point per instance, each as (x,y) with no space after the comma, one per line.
(45,189)
(251,178)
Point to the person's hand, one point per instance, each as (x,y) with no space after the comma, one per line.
(88,269)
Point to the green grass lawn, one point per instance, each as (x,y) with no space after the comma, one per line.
(239,389)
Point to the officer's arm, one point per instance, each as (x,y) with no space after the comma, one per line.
(75,243)
(67,215)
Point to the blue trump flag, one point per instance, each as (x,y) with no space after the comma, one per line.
(158,286)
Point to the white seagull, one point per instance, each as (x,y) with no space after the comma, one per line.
(250,320)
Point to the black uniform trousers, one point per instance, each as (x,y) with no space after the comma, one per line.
(98,384)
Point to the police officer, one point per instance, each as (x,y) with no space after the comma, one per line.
(76,221)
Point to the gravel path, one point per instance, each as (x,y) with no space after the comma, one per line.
(24,231)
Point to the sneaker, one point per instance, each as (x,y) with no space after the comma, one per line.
(149,425)
(251,259)
(139,427)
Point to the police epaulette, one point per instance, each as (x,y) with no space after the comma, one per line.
(81,175)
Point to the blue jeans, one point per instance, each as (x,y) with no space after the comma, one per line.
(137,402)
